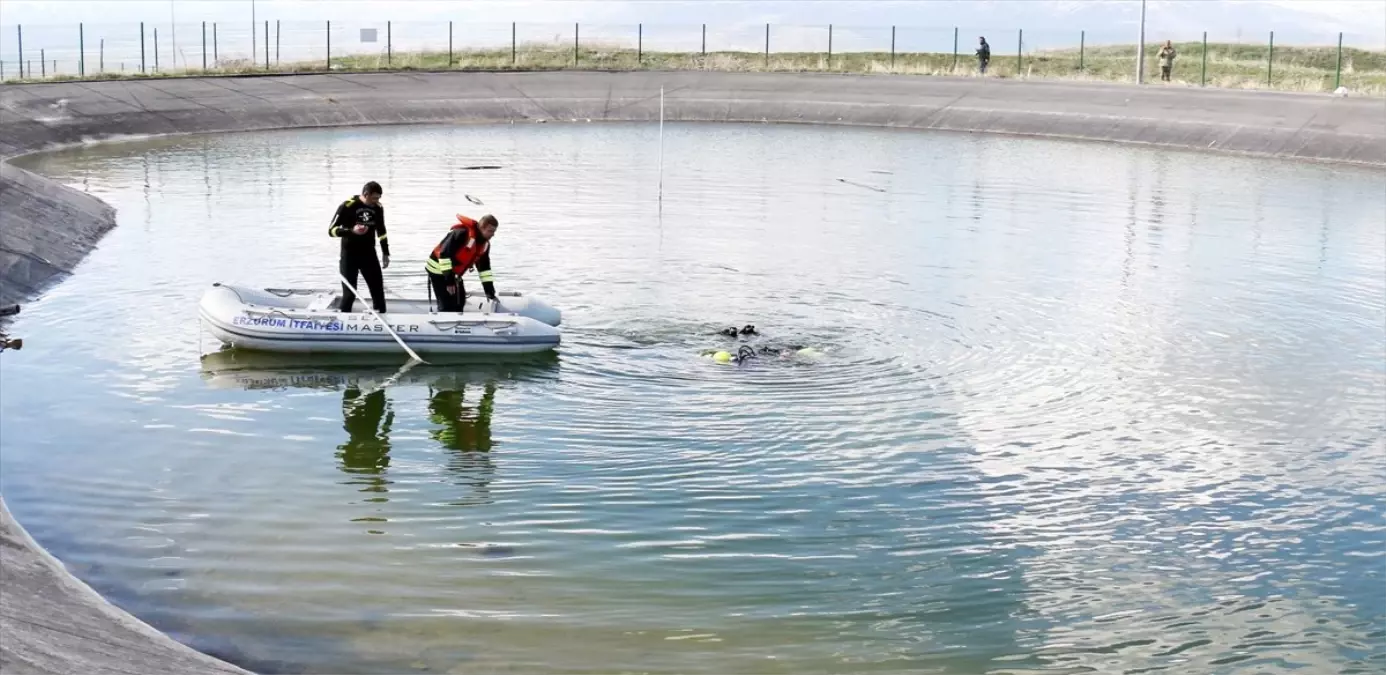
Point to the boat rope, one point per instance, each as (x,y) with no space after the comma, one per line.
(392,332)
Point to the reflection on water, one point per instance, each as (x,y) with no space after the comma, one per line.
(367,422)
(461,423)
(1078,409)
(462,429)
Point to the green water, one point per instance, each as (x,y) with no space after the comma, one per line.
(1079,408)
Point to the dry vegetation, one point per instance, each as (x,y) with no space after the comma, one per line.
(1227,65)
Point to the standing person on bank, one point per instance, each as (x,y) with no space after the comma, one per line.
(1166,60)
(983,55)
(467,244)
(359,223)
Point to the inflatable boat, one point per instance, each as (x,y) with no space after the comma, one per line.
(308,321)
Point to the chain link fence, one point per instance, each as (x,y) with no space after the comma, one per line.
(97,51)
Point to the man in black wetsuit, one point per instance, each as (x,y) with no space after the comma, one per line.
(359,223)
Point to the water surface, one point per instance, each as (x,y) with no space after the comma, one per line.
(1079,408)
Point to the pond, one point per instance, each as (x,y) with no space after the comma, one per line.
(1067,406)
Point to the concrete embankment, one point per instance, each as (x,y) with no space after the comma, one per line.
(51,623)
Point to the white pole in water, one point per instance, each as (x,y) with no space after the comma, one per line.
(382,322)
(661,146)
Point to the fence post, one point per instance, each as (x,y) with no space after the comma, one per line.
(101,64)
(512,43)
(266,45)
(43,65)
(216,57)
(830,46)
(389,45)
(1082,42)
(705,40)
(640,43)
(82,48)
(142,47)
(575,44)
(1270,58)
(767,45)
(892,47)
(1203,77)
(21,52)
(449,44)
(1019,51)
(1338,76)
(204,46)
(328,64)
(276,42)
(156,49)
(955,47)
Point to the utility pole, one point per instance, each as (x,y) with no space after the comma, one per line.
(253,33)
(173,33)
(1140,54)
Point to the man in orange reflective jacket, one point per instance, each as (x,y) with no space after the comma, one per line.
(467,244)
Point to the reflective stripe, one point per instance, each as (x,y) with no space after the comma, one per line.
(487,276)
(437,266)
(334,231)
(381,238)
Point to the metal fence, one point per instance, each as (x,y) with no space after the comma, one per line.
(84,51)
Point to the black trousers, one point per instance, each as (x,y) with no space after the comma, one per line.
(368,266)
(447,302)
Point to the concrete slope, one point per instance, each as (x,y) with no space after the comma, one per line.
(45,230)
(1271,124)
(51,623)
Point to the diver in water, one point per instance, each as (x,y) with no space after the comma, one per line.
(746,352)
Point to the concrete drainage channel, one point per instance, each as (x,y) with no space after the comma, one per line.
(53,623)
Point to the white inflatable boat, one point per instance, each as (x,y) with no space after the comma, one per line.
(306,320)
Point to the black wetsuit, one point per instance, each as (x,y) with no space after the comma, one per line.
(358,250)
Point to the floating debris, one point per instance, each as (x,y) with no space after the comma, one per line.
(869,187)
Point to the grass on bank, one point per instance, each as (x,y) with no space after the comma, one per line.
(1228,65)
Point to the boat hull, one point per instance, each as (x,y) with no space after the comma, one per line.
(294,321)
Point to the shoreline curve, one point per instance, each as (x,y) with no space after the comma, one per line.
(48,227)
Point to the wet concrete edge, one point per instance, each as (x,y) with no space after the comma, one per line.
(50,622)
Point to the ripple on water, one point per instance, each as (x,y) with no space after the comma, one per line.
(1123,419)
